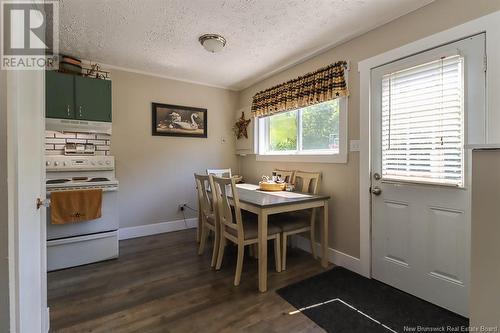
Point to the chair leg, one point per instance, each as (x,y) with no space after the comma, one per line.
(198,230)
(203,239)
(283,251)
(251,253)
(239,264)
(313,242)
(215,249)
(220,254)
(277,253)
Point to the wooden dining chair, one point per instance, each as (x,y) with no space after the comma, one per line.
(287,175)
(235,228)
(220,172)
(209,220)
(300,221)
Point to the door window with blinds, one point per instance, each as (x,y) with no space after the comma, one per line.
(423,123)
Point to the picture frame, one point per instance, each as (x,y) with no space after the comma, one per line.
(178,120)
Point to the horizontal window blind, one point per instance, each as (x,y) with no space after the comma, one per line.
(422,123)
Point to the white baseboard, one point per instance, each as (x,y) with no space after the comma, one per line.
(334,256)
(157,228)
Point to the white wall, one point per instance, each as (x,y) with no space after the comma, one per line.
(156,172)
(4,263)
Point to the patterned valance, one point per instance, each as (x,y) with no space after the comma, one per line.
(324,84)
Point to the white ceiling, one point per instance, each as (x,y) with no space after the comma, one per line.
(263,36)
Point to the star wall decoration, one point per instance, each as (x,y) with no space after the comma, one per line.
(240,127)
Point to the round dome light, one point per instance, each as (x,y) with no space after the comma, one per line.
(212,43)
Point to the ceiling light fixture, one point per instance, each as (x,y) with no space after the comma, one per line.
(212,42)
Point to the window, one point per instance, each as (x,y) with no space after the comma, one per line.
(422,123)
(310,131)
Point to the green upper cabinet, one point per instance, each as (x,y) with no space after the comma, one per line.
(92,99)
(76,97)
(59,95)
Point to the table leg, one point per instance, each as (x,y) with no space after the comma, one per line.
(324,236)
(262,220)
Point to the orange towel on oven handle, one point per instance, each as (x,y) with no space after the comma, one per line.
(75,206)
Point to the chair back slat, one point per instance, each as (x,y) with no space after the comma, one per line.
(205,198)
(287,175)
(307,182)
(226,191)
(226,173)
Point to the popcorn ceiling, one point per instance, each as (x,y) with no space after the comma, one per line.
(161,37)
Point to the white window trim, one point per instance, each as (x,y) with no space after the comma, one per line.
(313,156)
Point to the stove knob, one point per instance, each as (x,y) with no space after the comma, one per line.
(101,163)
(47,163)
(65,163)
(93,163)
(56,163)
(108,162)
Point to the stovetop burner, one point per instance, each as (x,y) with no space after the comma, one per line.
(57,181)
(78,180)
(98,179)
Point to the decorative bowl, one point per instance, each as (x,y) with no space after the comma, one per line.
(272,187)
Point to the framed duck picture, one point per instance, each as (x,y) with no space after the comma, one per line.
(176,120)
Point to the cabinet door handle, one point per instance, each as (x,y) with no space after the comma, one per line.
(80,111)
(68,110)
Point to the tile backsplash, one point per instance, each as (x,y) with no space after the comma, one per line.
(55,141)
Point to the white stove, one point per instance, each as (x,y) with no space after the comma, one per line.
(70,245)
(80,172)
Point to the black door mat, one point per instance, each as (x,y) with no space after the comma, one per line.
(342,301)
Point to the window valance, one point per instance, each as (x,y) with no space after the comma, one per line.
(324,84)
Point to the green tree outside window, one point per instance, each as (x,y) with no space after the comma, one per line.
(320,128)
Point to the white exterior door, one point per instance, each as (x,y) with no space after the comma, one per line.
(425,109)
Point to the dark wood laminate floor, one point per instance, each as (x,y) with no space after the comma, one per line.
(159,284)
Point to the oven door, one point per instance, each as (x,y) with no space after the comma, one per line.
(107,222)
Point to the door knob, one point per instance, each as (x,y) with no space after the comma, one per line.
(45,203)
(376,190)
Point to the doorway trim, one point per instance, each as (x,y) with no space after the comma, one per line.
(487,24)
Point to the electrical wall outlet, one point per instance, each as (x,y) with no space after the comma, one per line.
(182,206)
